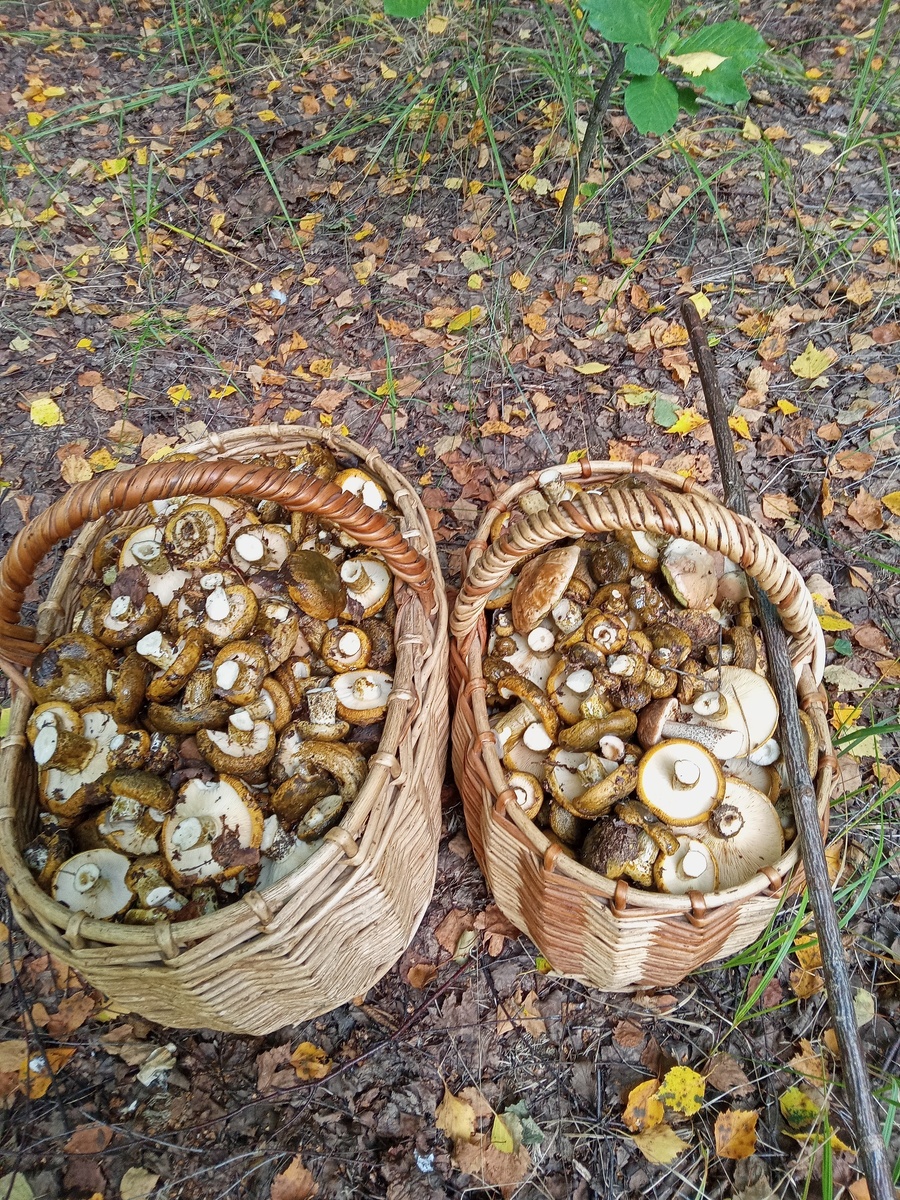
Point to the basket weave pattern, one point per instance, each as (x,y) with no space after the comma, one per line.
(331,929)
(593,929)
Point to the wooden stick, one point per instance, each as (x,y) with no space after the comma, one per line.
(872,1152)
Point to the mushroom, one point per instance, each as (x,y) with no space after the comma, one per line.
(314,584)
(297,794)
(567,827)
(261,548)
(346,765)
(119,621)
(242,749)
(610,562)
(744,704)
(744,834)
(175,661)
(129,750)
(93,882)
(46,853)
(67,793)
(529,693)
(690,572)
(541,583)
(360,483)
(381,642)
(617,849)
(528,793)
(72,668)
(324,725)
(346,648)
(316,459)
(763,779)
(362,696)
(197,708)
(528,751)
(273,704)
(195,535)
(228,613)
(277,630)
(143,548)
(239,670)
(589,733)
(105,556)
(569,774)
(61,749)
(523,660)
(57,713)
(127,685)
(658,721)
(600,797)
(213,832)
(147,879)
(680,782)
(644,548)
(368,582)
(605,632)
(567,686)
(691,868)
(321,817)
(282,853)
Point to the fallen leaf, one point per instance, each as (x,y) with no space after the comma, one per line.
(726,1076)
(863,1007)
(137,1184)
(89,1139)
(454,925)
(892,503)
(36,1074)
(16,1187)
(688,420)
(643,1109)
(812,363)
(702,303)
(46,412)
(111,167)
(421,974)
(660,1145)
(310,1062)
(682,1090)
(179,394)
(865,509)
(697,62)
(859,292)
(12,1055)
(778,506)
(591,368)
(294,1183)
(466,319)
(519,281)
(492,1166)
(75,469)
(816,147)
(455,1117)
(735,1132)
(501,1138)
(629,1034)
(798,1109)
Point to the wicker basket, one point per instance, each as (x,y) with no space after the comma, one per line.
(595,930)
(331,929)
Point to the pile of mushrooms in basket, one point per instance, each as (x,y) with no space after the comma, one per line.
(627,683)
(210,715)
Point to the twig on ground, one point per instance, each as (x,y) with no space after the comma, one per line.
(872,1152)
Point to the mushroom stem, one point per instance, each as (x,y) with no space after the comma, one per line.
(355,576)
(685,775)
(87,878)
(711,705)
(693,864)
(726,821)
(723,743)
(192,831)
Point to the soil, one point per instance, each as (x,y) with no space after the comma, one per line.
(156,291)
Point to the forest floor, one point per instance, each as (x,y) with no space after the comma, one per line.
(308,213)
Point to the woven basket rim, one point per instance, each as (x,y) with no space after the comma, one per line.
(166,937)
(469,641)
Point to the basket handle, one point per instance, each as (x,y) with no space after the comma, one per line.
(126,490)
(635,504)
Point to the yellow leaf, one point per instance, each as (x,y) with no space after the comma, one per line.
(798,1109)
(644,1109)
(75,469)
(892,502)
(787,407)
(34,119)
(102,460)
(267,116)
(475,283)
(36,1074)
(816,147)
(834,624)
(812,362)
(519,281)
(682,1090)
(466,319)
(660,1145)
(310,1062)
(455,1117)
(321,367)
(141,156)
(137,1184)
(844,715)
(688,420)
(575,456)
(216,221)
(501,1138)
(859,293)
(179,393)
(698,62)
(735,1132)
(738,425)
(820,94)
(278,19)
(84,344)
(387,72)
(702,303)
(592,368)
(46,412)
(437,25)
(53,92)
(526,182)
(326,419)
(292,416)
(219,393)
(119,253)
(111,167)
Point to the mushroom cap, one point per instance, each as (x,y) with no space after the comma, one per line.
(257,548)
(360,483)
(690,571)
(72,668)
(234,751)
(680,782)
(93,882)
(368,582)
(615,848)
(362,696)
(213,831)
(751,707)
(758,843)
(314,584)
(541,583)
(528,792)
(691,868)
(764,779)
(536,667)
(195,534)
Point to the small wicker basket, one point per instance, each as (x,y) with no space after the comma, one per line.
(331,929)
(603,932)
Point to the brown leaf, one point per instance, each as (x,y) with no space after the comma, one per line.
(772,347)
(294,1183)
(421,974)
(852,464)
(871,637)
(865,509)
(809,1064)
(492,1166)
(89,378)
(805,983)
(75,469)
(12,1054)
(454,925)
(106,398)
(71,1015)
(885,334)
(778,506)
(725,1075)
(274,1070)
(89,1139)
(496,928)
(137,1184)
(628,1034)
(735,1132)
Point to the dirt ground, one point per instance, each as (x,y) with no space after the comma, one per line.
(309,214)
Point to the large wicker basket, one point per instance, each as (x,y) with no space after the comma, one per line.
(331,929)
(601,932)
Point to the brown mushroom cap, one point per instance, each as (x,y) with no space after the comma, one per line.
(314,584)
(541,583)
